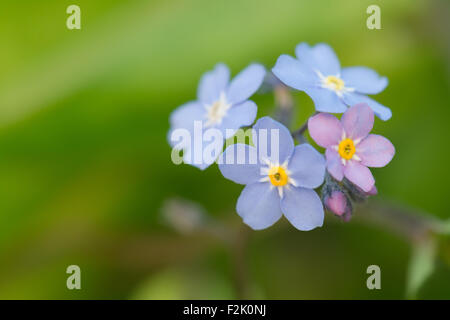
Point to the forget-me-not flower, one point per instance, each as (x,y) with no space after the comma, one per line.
(220,104)
(280,180)
(317,72)
(350,149)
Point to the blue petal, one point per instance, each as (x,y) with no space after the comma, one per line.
(185,115)
(213,83)
(326,100)
(321,57)
(303,208)
(245,83)
(259,205)
(204,155)
(307,166)
(263,131)
(364,80)
(239,163)
(382,112)
(202,147)
(240,115)
(294,74)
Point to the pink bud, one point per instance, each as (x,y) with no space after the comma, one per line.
(337,203)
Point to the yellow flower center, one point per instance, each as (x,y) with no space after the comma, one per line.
(334,83)
(346,149)
(278,176)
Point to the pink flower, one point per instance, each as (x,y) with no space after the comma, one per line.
(350,149)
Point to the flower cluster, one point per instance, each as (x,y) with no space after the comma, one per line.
(279,176)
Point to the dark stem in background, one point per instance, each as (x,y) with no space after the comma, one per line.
(298,134)
(411,225)
(301,130)
(241,274)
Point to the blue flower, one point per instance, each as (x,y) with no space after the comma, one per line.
(220,105)
(278,178)
(317,72)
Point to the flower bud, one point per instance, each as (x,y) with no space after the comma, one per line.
(338,203)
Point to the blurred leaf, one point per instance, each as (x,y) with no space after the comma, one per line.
(421,266)
(184,284)
(444,227)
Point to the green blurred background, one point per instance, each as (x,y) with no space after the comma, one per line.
(85,170)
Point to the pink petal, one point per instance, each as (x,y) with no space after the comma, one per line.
(325,129)
(358,121)
(359,175)
(334,164)
(373,191)
(375,151)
